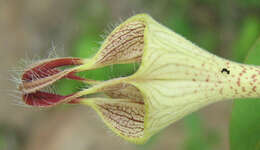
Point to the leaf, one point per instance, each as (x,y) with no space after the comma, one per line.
(245,118)
(199,137)
(250,30)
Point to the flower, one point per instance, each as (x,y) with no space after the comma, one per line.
(175,78)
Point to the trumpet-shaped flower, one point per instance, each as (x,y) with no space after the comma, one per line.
(175,78)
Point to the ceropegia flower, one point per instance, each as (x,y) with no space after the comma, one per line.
(175,78)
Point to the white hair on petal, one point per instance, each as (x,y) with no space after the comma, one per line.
(15,75)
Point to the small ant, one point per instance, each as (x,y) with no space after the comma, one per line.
(225,70)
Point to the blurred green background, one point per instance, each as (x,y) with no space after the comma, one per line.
(228,28)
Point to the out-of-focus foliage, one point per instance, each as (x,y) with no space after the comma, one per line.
(2,142)
(198,138)
(249,3)
(249,31)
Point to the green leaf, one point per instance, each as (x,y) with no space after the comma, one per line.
(245,118)
(249,32)
(254,54)
(198,137)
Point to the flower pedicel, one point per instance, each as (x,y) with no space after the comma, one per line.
(175,78)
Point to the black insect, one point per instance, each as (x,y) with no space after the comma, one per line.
(225,70)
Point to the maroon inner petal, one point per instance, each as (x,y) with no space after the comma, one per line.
(47,68)
(44,74)
(44,99)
